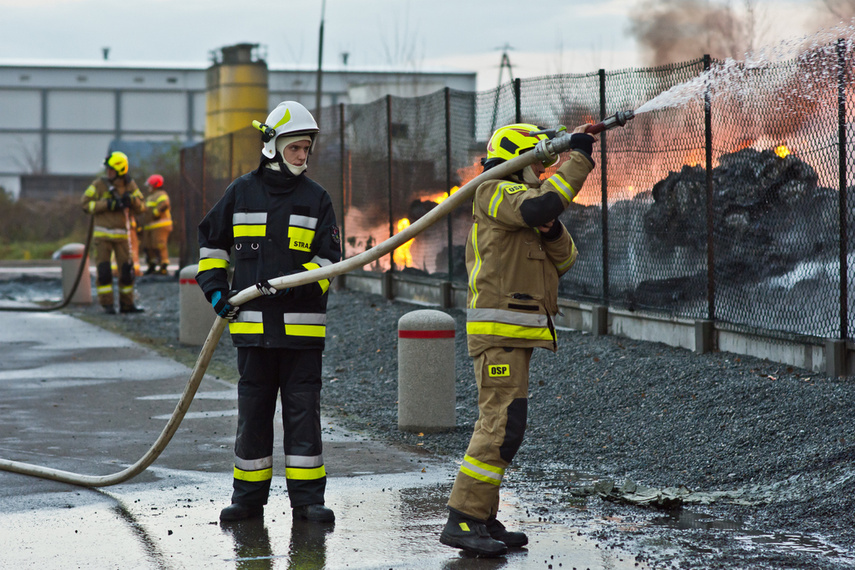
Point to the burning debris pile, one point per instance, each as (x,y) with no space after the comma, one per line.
(769,214)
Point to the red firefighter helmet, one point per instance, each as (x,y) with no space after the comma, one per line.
(155,181)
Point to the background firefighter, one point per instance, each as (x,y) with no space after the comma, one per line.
(276,221)
(515,253)
(113,200)
(156,226)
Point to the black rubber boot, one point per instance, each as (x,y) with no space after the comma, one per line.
(152,268)
(470,535)
(511,539)
(109,309)
(241,511)
(131,309)
(314,513)
(164,269)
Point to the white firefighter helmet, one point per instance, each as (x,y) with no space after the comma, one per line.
(289,118)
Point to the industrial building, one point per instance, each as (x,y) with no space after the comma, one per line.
(59,118)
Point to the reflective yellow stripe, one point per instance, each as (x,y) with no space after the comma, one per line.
(495,201)
(473,287)
(117,234)
(324,283)
(318,331)
(156,225)
(90,191)
(211,263)
(510,331)
(246,328)
(250,231)
(561,185)
(482,471)
(301,238)
(104,289)
(305,474)
(260,475)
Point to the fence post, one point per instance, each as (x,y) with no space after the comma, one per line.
(517,100)
(841,149)
(389,174)
(448,180)
(604,190)
(710,210)
(835,349)
(343,158)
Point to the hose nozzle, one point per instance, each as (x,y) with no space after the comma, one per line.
(619,119)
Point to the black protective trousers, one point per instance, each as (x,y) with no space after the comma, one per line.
(294,375)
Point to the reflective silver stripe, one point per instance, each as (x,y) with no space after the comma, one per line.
(209,252)
(249,317)
(303,221)
(304,318)
(243,218)
(510,317)
(114,231)
(254,464)
(482,473)
(306,461)
(321,261)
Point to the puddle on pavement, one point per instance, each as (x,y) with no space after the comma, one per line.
(687,520)
(383,521)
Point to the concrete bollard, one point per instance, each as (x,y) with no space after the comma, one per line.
(71,256)
(426,374)
(195,316)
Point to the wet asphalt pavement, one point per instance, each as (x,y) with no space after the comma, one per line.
(78,398)
(767,449)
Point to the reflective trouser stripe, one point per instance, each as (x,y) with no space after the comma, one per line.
(254,476)
(509,331)
(482,471)
(254,470)
(301,474)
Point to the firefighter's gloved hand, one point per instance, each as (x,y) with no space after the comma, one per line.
(125,201)
(113,204)
(583,142)
(269,290)
(224,309)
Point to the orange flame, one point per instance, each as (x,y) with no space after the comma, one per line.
(402,255)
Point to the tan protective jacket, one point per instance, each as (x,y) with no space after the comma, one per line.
(156,213)
(111,224)
(513,269)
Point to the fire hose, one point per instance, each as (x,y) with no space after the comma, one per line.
(77,278)
(545,149)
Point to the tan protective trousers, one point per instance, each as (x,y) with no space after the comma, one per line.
(154,244)
(502,377)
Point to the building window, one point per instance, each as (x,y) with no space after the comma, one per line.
(25,78)
(82,79)
(139,79)
(399,130)
(172,80)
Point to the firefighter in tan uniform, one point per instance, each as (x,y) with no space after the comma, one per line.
(516,251)
(156,226)
(113,200)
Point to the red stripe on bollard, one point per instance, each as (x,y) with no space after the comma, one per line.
(71,256)
(187,282)
(426,334)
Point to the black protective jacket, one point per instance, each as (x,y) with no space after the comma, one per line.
(269,224)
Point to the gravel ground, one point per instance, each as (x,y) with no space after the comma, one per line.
(765,449)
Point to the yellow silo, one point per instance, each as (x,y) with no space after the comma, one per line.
(236,90)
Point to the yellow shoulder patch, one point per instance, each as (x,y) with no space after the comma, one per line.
(514,188)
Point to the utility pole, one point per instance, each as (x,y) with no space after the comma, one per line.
(506,62)
(320,66)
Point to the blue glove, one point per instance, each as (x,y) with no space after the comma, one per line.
(222,306)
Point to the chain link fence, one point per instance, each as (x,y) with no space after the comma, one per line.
(728,202)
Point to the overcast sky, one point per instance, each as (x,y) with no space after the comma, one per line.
(545,37)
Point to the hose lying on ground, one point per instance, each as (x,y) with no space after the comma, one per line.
(83,266)
(211,342)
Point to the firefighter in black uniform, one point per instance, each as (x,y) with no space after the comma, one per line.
(275,221)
